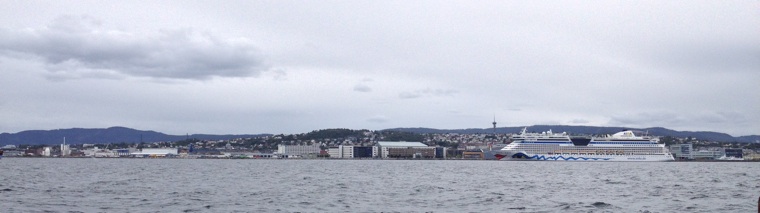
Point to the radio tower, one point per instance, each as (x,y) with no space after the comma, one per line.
(494,125)
(490,145)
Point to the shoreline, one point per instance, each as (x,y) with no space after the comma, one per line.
(389,159)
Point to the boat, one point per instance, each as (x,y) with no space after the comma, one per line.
(621,146)
(729,158)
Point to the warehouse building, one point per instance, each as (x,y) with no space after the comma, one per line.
(687,152)
(390,149)
(296,151)
(353,151)
(734,153)
(156,152)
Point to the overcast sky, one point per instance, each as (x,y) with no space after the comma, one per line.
(225,67)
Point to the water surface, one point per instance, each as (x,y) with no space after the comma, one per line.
(205,185)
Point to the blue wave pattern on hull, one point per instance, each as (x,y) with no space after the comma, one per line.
(541,157)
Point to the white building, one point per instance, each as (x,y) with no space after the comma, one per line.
(341,152)
(387,147)
(65,150)
(124,152)
(298,151)
(156,152)
(99,153)
(46,152)
(347,151)
(353,152)
(335,152)
(686,151)
(682,151)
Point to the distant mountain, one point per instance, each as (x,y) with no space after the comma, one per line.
(750,138)
(590,130)
(95,136)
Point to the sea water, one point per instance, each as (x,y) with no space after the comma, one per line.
(205,185)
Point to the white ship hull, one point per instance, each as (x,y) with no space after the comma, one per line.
(522,156)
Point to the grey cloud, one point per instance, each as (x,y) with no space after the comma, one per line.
(648,118)
(378,119)
(723,117)
(81,47)
(440,92)
(710,57)
(454,111)
(670,119)
(427,92)
(279,74)
(362,88)
(579,121)
(408,95)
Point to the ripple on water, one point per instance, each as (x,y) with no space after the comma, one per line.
(601,204)
(699,196)
(608,181)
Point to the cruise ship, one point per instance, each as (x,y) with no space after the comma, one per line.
(621,146)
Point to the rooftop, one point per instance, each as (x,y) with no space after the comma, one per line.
(400,144)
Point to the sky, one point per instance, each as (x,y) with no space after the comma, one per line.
(248,67)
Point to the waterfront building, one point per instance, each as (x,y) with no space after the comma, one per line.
(352,151)
(734,153)
(156,152)
(478,146)
(100,153)
(473,155)
(13,153)
(440,152)
(364,151)
(340,152)
(347,151)
(751,155)
(335,152)
(681,151)
(46,151)
(707,154)
(124,152)
(203,152)
(259,155)
(298,151)
(687,152)
(390,149)
(65,150)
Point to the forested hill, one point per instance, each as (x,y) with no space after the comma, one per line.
(108,135)
(592,130)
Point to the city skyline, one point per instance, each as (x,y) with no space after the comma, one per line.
(290,67)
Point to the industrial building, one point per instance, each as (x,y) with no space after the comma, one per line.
(734,153)
(124,152)
(156,152)
(353,151)
(65,149)
(295,151)
(390,149)
(687,152)
(473,155)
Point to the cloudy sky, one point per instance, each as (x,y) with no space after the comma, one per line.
(296,66)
